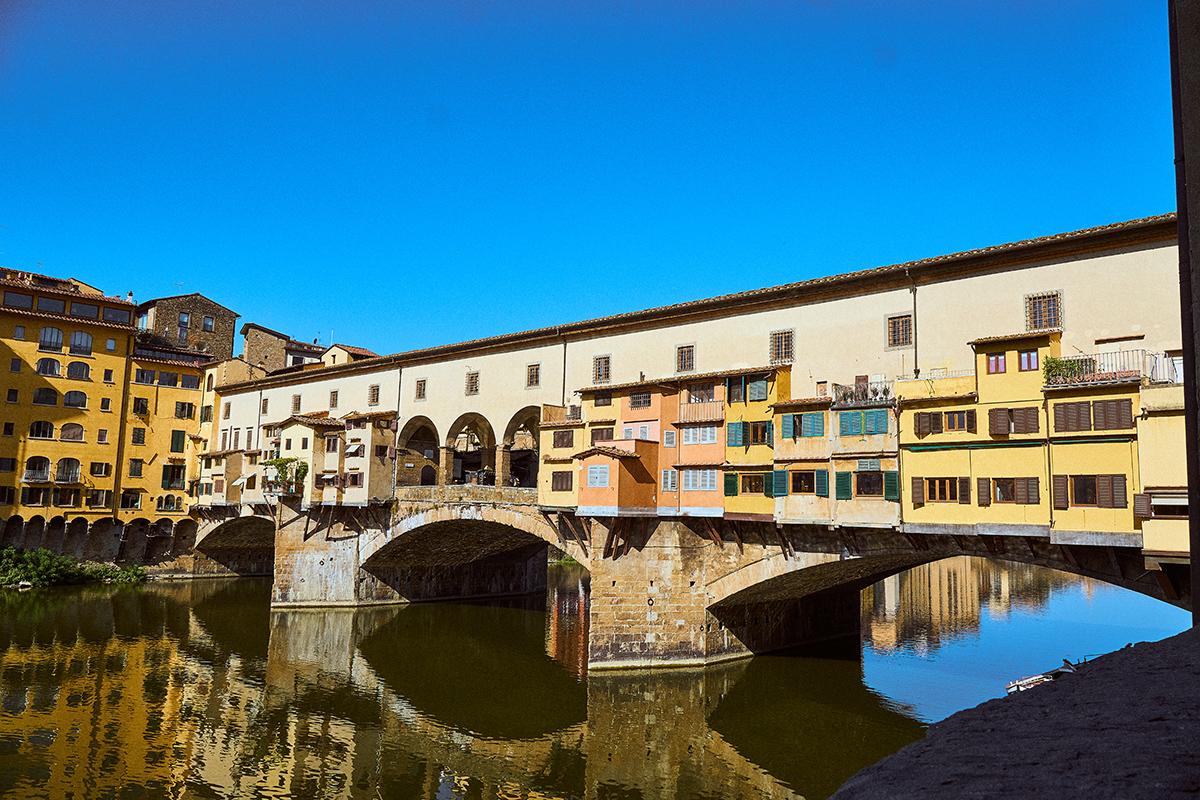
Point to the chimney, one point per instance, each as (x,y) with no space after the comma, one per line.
(129,296)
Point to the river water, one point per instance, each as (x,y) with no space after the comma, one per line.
(199,690)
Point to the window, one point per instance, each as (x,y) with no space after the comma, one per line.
(753,483)
(381,451)
(184,319)
(639,400)
(18,300)
(1075,416)
(131,499)
(185,410)
(67,471)
(331,444)
(597,476)
(99,498)
(78,370)
(81,343)
(602,435)
(1043,311)
(603,399)
(295,405)
(868,484)
(110,345)
(472,385)
(756,389)
(34,496)
(419,393)
(41,430)
(207,324)
(669,438)
(102,436)
(995,363)
(701,393)
(139,436)
(45,397)
(51,305)
(189,381)
(354,480)
(178,441)
(1083,490)
(12,395)
(303,441)
(685,358)
(143,376)
(699,434)
(206,413)
(75,399)
(373,394)
(670,480)
(19,332)
(533,376)
(956,420)
(106,404)
(66,498)
(8,465)
(210,381)
(120,315)
(804,482)
(71,432)
(8,429)
(781,349)
(1028,360)
(900,330)
(48,367)
(601,369)
(869,423)
(760,432)
(333,398)
(141,406)
(14,365)
(699,480)
(941,490)
(561,481)
(173,476)
(100,469)
(37,469)
(168,379)
(108,376)
(85,310)
(564,438)
(135,468)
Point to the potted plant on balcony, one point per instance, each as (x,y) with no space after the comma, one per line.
(289,474)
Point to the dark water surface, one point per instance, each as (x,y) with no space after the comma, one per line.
(199,690)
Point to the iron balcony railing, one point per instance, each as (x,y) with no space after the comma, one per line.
(36,476)
(863,394)
(1121,366)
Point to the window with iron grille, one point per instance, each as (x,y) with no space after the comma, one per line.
(295,404)
(373,394)
(602,435)
(685,358)
(333,398)
(472,383)
(782,347)
(139,436)
(601,369)
(639,400)
(419,393)
(533,376)
(670,480)
(1043,310)
(564,438)
(603,399)
(900,330)
(561,481)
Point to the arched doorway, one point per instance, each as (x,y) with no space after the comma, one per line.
(472,441)
(521,440)
(417,453)
(428,475)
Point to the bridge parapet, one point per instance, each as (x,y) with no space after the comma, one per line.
(467,493)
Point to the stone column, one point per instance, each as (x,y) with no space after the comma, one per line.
(503,464)
(445,466)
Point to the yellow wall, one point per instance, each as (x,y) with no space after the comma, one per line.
(1096,458)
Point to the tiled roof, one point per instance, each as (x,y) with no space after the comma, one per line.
(354,351)
(672,380)
(121,326)
(152,301)
(1011,337)
(600,450)
(937,398)
(797,402)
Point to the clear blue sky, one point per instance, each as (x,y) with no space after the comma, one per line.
(412,174)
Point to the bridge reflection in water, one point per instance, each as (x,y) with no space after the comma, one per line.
(200,690)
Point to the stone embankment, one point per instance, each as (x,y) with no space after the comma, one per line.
(1126,726)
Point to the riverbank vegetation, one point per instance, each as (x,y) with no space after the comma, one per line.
(32,568)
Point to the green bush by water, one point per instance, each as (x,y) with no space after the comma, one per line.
(44,568)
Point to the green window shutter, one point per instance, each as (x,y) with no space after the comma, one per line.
(757,390)
(780,478)
(731,484)
(843,485)
(771,432)
(178,439)
(876,421)
(850,423)
(891,485)
(733,435)
(166,479)
(787,426)
(822,483)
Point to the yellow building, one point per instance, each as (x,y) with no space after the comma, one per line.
(750,477)
(864,459)
(1161,503)
(802,452)
(560,437)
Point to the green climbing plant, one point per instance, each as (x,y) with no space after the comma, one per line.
(1058,370)
(289,473)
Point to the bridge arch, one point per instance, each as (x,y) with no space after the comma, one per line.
(420,435)
(242,545)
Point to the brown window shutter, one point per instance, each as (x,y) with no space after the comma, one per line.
(918,491)
(1104,491)
(1119,497)
(1124,413)
(1141,506)
(1031,490)
(1085,416)
(1100,414)
(984,491)
(919,423)
(1072,416)
(1033,423)
(964,490)
(1020,491)
(1018,420)
(971,421)
(998,421)
(1061,502)
(935,422)
(1060,417)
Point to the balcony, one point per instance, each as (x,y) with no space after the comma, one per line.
(36,476)
(864,394)
(709,411)
(1099,369)
(558,414)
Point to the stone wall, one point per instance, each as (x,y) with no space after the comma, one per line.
(218,341)
(263,349)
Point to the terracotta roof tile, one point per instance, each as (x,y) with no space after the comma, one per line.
(1012,337)
(600,450)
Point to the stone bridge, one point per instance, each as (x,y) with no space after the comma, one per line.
(665,592)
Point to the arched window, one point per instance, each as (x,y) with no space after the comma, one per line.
(79,370)
(75,399)
(49,367)
(37,469)
(81,343)
(50,339)
(68,471)
(71,432)
(209,384)
(41,430)
(45,397)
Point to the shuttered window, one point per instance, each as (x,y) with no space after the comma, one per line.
(812,423)
(983,490)
(821,480)
(850,423)
(700,480)
(670,480)
(735,434)
(927,422)
(597,476)
(1142,506)
(875,421)
(999,422)
(731,484)
(561,481)
(779,483)
(1101,491)
(601,369)
(842,485)
(1112,415)
(891,485)
(964,490)
(602,435)
(1075,416)
(756,389)
(564,438)
(804,482)
(918,491)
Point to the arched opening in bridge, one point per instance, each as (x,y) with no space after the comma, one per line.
(417,453)
(521,441)
(471,444)
(241,546)
(14,530)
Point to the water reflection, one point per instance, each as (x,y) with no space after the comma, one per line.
(199,690)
